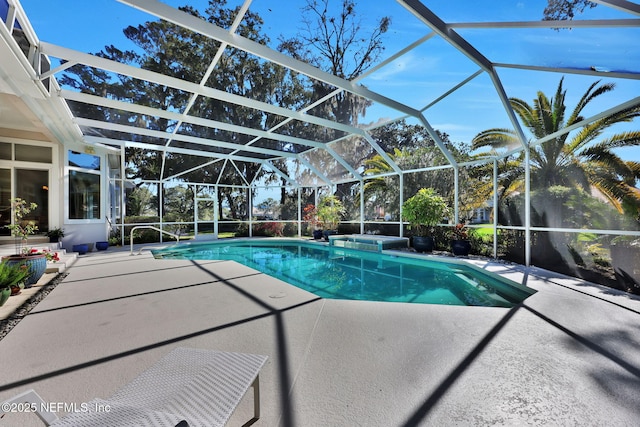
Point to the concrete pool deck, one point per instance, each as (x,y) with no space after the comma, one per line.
(569,355)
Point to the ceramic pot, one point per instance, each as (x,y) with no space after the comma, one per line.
(102,246)
(37,264)
(81,249)
(460,247)
(327,233)
(423,243)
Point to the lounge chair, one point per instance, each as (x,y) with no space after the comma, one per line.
(188,387)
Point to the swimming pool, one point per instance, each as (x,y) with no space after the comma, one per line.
(341,273)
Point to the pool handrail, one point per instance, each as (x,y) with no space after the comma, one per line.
(152,228)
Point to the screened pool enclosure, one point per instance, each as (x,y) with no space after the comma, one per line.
(232,118)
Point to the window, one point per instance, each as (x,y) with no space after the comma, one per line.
(5,201)
(33,153)
(83,160)
(84,186)
(5,151)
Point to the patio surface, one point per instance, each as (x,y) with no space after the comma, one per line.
(568,356)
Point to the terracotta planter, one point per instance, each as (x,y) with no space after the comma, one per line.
(37,264)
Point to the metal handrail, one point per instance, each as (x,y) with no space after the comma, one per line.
(152,228)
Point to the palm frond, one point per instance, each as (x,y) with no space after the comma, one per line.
(577,174)
(634,167)
(524,111)
(375,184)
(618,193)
(377,164)
(587,97)
(578,159)
(624,139)
(559,107)
(585,135)
(496,138)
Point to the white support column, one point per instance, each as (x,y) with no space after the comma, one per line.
(299,190)
(161,206)
(250,211)
(527,206)
(495,208)
(362,206)
(123,199)
(401,201)
(216,211)
(195,211)
(456,195)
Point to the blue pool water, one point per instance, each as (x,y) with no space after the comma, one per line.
(340,273)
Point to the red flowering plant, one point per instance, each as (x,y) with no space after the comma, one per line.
(311,216)
(51,256)
(272,229)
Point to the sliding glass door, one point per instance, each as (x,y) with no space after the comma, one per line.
(33,186)
(30,185)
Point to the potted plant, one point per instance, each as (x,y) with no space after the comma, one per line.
(311,217)
(460,244)
(11,277)
(423,211)
(55,234)
(330,212)
(21,228)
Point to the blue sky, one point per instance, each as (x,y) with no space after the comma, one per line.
(423,74)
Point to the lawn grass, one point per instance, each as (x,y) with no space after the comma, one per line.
(485,231)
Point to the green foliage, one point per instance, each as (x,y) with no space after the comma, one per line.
(178,204)
(335,41)
(141,201)
(266,229)
(22,227)
(269,208)
(412,147)
(170,49)
(142,220)
(563,10)
(330,212)
(573,159)
(12,274)
(424,210)
(55,233)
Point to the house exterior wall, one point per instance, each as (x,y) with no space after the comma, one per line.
(76,230)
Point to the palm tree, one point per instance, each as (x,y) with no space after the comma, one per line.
(575,159)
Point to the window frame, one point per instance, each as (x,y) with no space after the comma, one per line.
(67,189)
